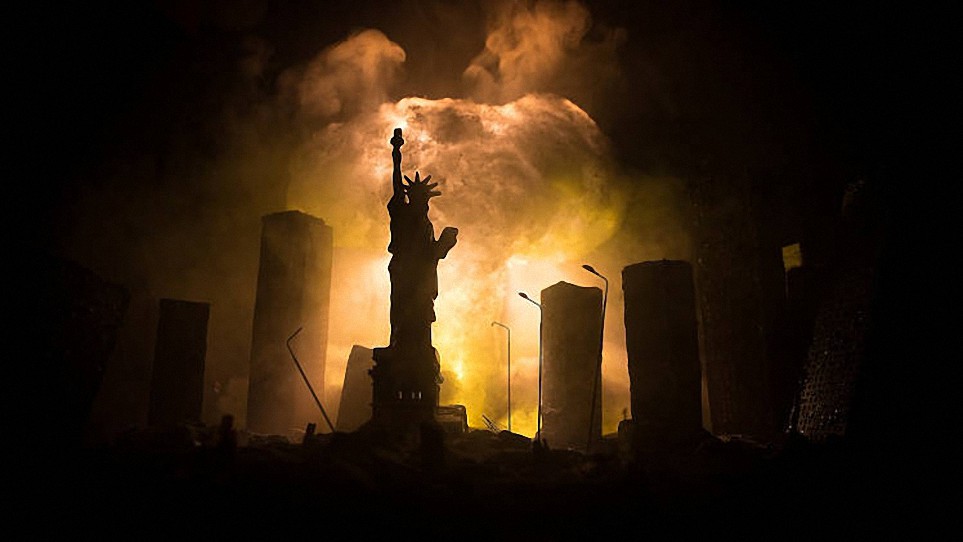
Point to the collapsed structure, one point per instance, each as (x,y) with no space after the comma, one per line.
(355,405)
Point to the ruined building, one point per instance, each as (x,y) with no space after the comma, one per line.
(571,329)
(293,291)
(663,350)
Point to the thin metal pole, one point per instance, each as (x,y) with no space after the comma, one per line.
(538,421)
(598,368)
(538,433)
(305,377)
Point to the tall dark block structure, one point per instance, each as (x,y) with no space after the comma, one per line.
(739,280)
(662,342)
(293,291)
(571,326)
(355,407)
(177,379)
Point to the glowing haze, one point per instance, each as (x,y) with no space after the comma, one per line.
(508,129)
(526,177)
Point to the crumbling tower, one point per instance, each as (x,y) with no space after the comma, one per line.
(571,337)
(736,267)
(663,349)
(293,291)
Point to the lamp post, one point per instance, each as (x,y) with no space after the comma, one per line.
(506,328)
(538,421)
(598,368)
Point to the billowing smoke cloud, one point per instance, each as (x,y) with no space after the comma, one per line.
(349,78)
(529,182)
(543,47)
(526,176)
(534,171)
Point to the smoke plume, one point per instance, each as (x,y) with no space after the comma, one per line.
(526,175)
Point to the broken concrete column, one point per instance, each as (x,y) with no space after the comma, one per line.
(661,339)
(177,377)
(571,329)
(355,408)
(293,291)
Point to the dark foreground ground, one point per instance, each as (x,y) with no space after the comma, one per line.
(190,482)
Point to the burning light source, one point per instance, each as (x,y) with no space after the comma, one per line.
(527,176)
(528,197)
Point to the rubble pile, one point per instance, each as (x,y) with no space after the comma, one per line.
(221,480)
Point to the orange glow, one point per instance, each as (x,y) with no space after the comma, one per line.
(525,175)
(528,185)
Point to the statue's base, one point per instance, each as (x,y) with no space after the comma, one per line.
(405,388)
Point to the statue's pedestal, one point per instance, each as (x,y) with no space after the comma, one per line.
(405,388)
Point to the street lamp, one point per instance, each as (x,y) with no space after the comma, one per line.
(506,328)
(598,369)
(538,421)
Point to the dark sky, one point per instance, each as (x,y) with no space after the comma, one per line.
(111,99)
(760,83)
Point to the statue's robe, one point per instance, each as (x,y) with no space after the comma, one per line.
(414,273)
